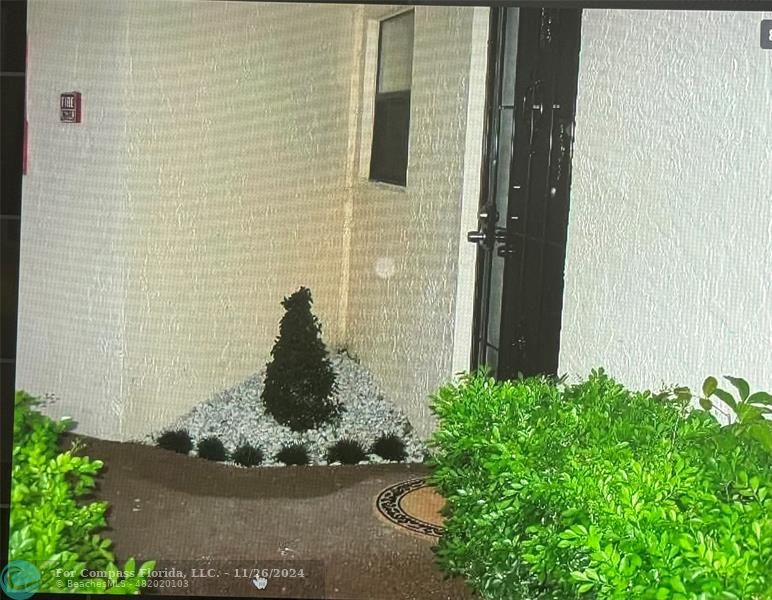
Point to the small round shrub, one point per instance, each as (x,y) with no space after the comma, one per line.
(293,454)
(176,441)
(248,456)
(211,448)
(348,452)
(390,447)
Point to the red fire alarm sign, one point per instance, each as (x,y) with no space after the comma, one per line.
(69,105)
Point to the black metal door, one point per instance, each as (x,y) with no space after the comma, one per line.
(524,207)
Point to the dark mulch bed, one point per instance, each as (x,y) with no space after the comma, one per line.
(190,513)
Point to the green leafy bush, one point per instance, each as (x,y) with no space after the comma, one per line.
(176,441)
(299,379)
(348,452)
(51,527)
(594,491)
(750,413)
(390,447)
(212,448)
(293,454)
(248,456)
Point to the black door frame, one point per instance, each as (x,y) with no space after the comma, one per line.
(487,206)
(510,241)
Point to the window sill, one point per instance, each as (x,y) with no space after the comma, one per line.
(393,187)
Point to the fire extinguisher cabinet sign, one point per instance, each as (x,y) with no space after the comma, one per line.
(69,107)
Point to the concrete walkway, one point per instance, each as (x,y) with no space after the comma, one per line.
(218,524)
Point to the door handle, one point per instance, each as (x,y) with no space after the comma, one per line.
(532,100)
(476,237)
(520,342)
(482,235)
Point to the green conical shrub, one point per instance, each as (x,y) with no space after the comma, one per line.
(299,380)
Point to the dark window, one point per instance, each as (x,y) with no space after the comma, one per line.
(391,119)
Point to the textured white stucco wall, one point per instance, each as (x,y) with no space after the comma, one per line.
(214,173)
(669,267)
(238,154)
(405,241)
(205,183)
(72,284)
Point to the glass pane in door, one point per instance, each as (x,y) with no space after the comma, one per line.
(501,176)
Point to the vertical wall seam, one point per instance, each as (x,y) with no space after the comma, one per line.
(354,112)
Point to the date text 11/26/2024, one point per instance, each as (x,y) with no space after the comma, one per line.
(244,573)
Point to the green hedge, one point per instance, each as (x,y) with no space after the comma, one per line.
(51,526)
(594,491)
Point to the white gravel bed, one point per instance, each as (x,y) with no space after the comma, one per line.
(237,416)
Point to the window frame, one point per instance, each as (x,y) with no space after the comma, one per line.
(395,95)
